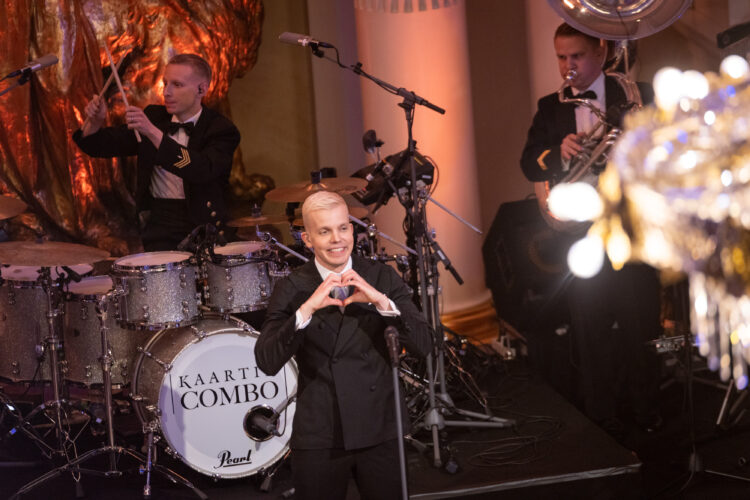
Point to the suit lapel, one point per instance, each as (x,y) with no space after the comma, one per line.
(351,318)
(565,116)
(200,127)
(614,92)
(311,280)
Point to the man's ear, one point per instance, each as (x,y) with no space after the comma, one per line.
(306,239)
(201,88)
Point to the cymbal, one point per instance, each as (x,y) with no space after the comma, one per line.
(298,192)
(10,207)
(48,253)
(258,220)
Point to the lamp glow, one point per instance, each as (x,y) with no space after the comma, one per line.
(694,84)
(586,256)
(618,246)
(576,201)
(735,67)
(667,81)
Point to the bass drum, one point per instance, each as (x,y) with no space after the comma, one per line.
(199,383)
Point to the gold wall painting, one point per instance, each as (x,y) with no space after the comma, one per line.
(72,197)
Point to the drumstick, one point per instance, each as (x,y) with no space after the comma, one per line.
(104,89)
(119,85)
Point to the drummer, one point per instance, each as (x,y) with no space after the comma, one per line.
(184,157)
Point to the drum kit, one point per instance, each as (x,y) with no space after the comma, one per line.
(159,329)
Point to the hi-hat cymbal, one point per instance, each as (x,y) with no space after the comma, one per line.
(258,220)
(10,207)
(48,253)
(298,192)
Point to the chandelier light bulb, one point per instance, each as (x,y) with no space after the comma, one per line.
(586,256)
(735,67)
(576,201)
(694,84)
(667,88)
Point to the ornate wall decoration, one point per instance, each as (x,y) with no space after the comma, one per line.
(71,196)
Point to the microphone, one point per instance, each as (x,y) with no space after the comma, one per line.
(189,240)
(391,338)
(73,275)
(370,141)
(382,166)
(256,421)
(304,40)
(34,66)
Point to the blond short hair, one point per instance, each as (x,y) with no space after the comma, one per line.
(322,200)
(200,66)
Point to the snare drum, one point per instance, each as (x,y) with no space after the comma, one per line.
(240,277)
(159,290)
(199,383)
(82,334)
(23,321)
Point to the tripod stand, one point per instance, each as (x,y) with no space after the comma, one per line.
(428,253)
(52,409)
(695,464)
(110,449)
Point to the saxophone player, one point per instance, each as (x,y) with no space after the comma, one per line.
(613,313)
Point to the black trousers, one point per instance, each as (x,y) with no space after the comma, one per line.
(325,474)
(616,365)
(167,225)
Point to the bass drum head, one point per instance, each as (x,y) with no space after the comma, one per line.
(199,383)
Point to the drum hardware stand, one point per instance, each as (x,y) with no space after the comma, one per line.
(110,448)
(265,486)
(52,345)
(10,408)
(373,230)
(269,238)
(429,252)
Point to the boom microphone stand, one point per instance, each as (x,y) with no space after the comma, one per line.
(427,251)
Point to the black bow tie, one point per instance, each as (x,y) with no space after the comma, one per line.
(589,94)
(175,127)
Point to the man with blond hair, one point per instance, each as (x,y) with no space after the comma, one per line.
(184,156)
(331,314)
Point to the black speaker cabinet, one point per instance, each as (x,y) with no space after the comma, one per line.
(525,267)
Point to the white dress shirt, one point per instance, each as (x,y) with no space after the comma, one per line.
(300,323)
(165,184)
(585,119)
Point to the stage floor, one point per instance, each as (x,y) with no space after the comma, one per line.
(553,451)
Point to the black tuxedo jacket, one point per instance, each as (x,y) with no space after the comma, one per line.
(204,165)
(345,393)
(540,160)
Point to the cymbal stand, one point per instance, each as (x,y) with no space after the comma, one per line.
(415,209)
(453,214)
(268,238)
(110,449)
(371,228)
(52,345)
